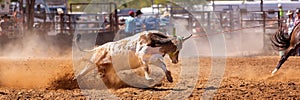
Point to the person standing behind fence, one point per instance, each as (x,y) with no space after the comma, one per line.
(139,21)
(18,19)
(289,22)
(130,24)
(297,19)
(6,24)
(281,15)
(157,21)
(152,23)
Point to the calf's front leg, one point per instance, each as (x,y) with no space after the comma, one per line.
(157,60)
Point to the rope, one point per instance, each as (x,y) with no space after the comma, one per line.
(205,35)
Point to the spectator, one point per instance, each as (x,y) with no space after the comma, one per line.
(130,24)
(157,21)
(17,15)
(165,18)
(289,22)
(139,21)
(280,11)
(165,23)
(18,19)
(5,24)
(152,23)
(166,15)
(297,19)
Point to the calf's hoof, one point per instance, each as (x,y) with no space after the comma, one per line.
(169,77)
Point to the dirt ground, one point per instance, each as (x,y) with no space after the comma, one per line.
(244,78)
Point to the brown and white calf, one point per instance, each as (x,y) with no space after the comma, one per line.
(145,48)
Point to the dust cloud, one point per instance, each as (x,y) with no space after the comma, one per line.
(34,61)
(37,46)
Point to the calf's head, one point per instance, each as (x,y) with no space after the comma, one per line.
(169,45)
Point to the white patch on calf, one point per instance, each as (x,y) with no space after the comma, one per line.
(178,42)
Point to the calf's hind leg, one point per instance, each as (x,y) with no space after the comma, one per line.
(89,67)
(86,70)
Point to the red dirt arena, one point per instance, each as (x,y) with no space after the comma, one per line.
(244,78)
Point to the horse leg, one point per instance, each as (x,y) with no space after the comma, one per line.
(284,57)
(298,54)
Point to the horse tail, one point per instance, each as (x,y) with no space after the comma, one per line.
(280,40)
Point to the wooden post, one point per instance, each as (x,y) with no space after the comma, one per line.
(62,23)
(152,2)
(213,5)
(30,13)
(70,23)
(279,20)
(241,19)
(264,23)
(231,18)
(208,21)
(116,19)
(21,5)
(263,15)
(190,22)
(67,6)
(21,9)
(71,7)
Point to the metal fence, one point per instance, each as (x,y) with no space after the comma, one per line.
(230,20)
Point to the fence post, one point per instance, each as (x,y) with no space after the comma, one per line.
(264,29)
(279,19)
(190,21)
(70,23)
(241,19)
(231,27)
(221,18)
(231,20)
(264,21)
(208,20)
(61,23)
